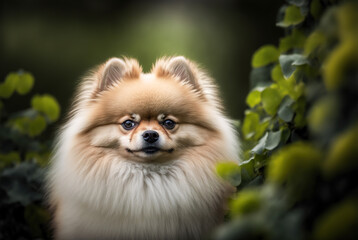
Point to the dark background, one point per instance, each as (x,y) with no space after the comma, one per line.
(58,41)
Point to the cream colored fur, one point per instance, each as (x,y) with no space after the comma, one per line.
(98,193)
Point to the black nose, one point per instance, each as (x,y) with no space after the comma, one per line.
(150,136)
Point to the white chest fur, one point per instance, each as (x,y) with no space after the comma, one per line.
(177,200)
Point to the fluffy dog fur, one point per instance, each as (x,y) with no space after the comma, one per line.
(102,185)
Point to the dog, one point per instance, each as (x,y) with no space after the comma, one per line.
(136,158)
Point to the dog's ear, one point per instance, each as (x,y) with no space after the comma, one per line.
(115,70)
(178,67)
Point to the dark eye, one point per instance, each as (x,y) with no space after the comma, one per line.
(169,124)
(128,124)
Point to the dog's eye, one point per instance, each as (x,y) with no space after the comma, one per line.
(128,124)
(169,124)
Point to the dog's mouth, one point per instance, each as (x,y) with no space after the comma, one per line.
(150,150)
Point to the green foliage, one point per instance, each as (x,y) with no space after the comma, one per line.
(271,98)
(340,61)
(47,105)
(31,127)
(246,202)
(7,88)
(268,142)
(9,158)
(295,40)
(230,172)
(252,127)
(290,62)
(300,168)
(253,98)
(296,166)
(323,109)
(343,153)
(21,82)
(265,55)
(286,110)
(292,16)
(315,42)
(23,153)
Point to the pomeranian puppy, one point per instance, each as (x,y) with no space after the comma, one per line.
(136,158)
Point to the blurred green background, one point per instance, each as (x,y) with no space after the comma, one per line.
(58,41)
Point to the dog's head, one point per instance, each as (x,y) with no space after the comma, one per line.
(150,117)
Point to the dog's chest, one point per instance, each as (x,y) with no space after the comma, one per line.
(155,203)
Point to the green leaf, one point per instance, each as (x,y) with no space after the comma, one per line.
(323,115)
(342,155)
(285,111)
(22,183)
(247,170)
(9,158)
(40,158)
(230,172)
(295,40)
(265,55)
(252,127)
(286,133)
(37,126)
(295,90)
(261,128)
(251,121)
(268,142)
(300,60)
(276,74)
(273,140)
(260,77)
(31,127)
(300,108)
(48,105)
(289,62)
(291,163)
(314,43)
(246,202)
(254,97)
(260,146)
(7,88)
(348,18)
(271,99)
(302,4)
(293,16)
(340,61)
(24,83)
(287,86)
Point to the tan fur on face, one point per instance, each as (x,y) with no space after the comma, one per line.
(103,187)
(149,97)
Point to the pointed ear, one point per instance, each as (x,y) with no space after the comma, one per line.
(115,69)
(179,67)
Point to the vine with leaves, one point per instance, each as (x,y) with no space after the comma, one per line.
(299,178)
